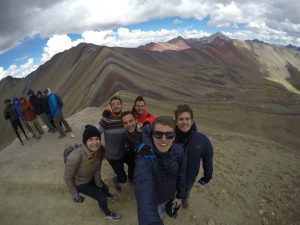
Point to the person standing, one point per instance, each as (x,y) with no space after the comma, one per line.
(83,172)
(30,116)
(36,102)
(58,117)
(159,174)
(11,114)
(112,127)
(22,118)
(141,113)
(132,138)
(197,147)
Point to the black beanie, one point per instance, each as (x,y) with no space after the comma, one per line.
(90,131)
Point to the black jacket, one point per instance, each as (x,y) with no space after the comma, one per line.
(37,104)
(10,113)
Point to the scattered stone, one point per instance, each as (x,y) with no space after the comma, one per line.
(261,211)
(194,217)
(273,214)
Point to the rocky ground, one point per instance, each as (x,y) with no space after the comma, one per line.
(255,182)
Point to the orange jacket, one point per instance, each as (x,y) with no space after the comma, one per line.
(27,109)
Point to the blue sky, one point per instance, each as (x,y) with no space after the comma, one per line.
(33,31)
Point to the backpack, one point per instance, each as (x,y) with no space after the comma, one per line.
(68,151)
(59,100)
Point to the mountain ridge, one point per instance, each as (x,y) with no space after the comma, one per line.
(221,71)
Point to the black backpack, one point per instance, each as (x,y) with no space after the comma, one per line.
(68,151)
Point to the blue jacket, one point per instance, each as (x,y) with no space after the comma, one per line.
(158,181)
(17,108)
(197,147)
(54,107)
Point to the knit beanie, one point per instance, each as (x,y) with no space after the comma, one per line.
(90,131)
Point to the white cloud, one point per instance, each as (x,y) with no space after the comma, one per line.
(19,71)
(49,17)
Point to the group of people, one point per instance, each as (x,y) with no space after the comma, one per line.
(163,157)
(26,114)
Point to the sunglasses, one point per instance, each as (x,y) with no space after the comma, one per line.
(160,134)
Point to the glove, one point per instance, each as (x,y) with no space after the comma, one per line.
(203,181)
(78,199)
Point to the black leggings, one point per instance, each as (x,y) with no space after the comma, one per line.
(15,124)
(99,194)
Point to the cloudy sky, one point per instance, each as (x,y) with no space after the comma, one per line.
(32,31)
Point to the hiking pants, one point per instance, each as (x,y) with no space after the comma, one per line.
(15,124)
(100,194)
(58,120)
(43,118)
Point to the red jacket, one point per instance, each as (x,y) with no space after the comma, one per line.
(145,117)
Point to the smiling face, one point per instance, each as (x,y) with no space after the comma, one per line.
(162,144)
(116,106)
(129,122)
(184,122)
(140,107)
(93,144)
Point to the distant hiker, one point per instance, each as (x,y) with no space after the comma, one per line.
(30,116)
(46,107)
(56,111)
(11,114)
(197,147)
(140,112)
(159,174)
(132,138)
(83,172)
(112,127)
(37,104)
(22,118)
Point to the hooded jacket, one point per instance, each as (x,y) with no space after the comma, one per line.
(54,107)
(27,110)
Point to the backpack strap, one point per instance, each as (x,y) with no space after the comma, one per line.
(145,151)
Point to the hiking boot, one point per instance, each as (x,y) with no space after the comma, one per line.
(22,143)
(185,203)
(62,135)
(68,130)
(112,197)
(117,184)
(113,217)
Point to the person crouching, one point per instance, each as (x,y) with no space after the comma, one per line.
(83,172)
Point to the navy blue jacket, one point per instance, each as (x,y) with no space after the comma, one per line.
(158,181)
(197,147)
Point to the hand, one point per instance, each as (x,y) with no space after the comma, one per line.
(78,199)
(203,181)
(177,201)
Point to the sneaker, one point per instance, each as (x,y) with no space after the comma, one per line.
(185,203)
(117,184)
(113,217)
(112,197)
